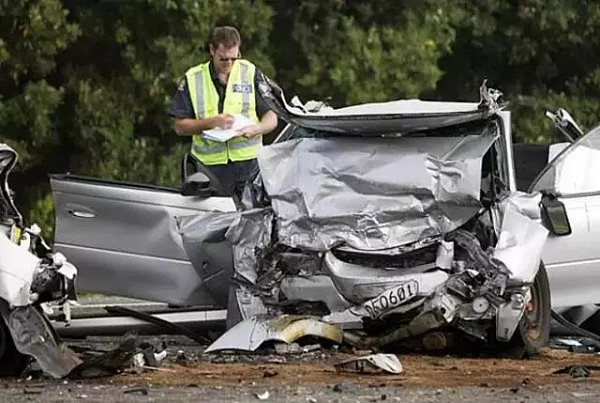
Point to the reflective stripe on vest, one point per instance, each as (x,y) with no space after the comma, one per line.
(240,98)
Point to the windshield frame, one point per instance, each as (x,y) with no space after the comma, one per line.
(558,159)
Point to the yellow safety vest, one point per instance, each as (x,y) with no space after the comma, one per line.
(239,99)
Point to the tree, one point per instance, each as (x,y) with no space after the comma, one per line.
(360,51)
(541,54)
(32,36)
(85,85)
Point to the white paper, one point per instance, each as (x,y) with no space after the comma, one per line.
(17,267)
(222,135)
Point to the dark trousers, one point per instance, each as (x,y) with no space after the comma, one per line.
(234,175)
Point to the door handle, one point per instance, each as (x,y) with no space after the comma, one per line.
(82,214)
(79,211)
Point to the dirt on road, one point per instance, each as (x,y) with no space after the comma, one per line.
(419,370)
(188,375)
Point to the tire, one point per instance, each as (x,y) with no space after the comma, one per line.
(12,362)
(533,331)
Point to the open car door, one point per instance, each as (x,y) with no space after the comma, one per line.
(571,184)
(124,239)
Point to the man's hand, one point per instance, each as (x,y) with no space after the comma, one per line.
(223,120)
(250,131)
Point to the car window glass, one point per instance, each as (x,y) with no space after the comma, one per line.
(576,170)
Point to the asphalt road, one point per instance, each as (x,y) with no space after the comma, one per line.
(101,392)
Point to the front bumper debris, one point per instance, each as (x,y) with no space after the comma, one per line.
(251,333)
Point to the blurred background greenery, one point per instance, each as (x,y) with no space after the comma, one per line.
(84,84)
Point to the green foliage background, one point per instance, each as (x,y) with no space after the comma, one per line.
(84,84)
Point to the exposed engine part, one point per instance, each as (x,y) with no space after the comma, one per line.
(480,305)
(483,262)
(508,317)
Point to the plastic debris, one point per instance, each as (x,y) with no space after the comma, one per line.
(149,356)
(371,364)
(262,396)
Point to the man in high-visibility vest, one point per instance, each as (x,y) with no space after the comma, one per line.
(209,97)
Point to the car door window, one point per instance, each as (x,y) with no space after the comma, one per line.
(576,169)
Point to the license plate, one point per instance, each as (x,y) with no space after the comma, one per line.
(391,298)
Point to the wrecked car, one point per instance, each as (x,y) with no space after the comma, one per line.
(33,281)
(376,225)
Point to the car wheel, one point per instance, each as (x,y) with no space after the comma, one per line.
(534,329)
(12,362)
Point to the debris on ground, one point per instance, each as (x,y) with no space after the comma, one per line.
(578,371)
(371,364)
(263,396)
(574,344)
(149,356)
(107,364)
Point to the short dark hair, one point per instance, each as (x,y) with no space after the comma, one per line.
(227,35)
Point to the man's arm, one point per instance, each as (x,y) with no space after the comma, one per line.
(189,126)
(184,119)
(267,124)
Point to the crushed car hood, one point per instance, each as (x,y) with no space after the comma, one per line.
(372,193)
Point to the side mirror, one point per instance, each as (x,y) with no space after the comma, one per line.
(197,184)
(554,215)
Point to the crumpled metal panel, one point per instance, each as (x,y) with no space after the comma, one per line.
(216,242)
(527,204)
(249,334)
(33,335)
(209,251)
(250,234)
(372,193)
(521,241)
(17,268)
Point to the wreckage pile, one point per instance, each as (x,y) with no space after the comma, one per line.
(411,248)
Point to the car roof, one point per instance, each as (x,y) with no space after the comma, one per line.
(401,117)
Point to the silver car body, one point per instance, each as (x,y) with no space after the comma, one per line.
(125,237)
(125,240)
(573,261)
